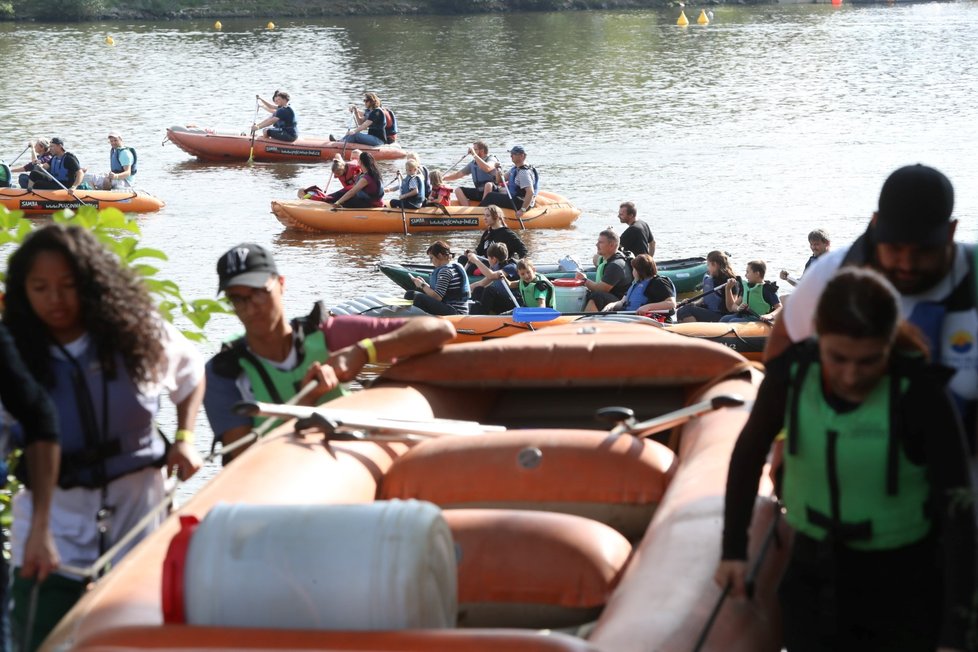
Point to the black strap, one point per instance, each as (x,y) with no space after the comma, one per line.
(895,437)
(96,438)
(797,382)
(837,530)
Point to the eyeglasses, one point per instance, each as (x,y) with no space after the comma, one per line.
(257,297)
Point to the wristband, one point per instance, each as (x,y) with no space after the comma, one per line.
(367,345)
(781,436)
(184,435)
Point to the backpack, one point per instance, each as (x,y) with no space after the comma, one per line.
(390,125)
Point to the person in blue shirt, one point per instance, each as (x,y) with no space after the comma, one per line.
(283,118)
(122,167)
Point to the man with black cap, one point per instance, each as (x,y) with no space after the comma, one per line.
(276,357)
(522,181)
(63,166)
(910,240)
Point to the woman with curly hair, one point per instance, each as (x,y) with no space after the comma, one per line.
(88,331)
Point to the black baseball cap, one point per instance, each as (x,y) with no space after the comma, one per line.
(57,141)
(247,264)
(915,206)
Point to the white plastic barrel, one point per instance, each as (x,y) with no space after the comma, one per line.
(569,294)
(378,566)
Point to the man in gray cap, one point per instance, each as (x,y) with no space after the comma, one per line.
(276,356)
(910,240)
(522,181)
(122,167)
(62,171)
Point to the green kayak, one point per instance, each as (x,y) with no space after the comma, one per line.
(685,273)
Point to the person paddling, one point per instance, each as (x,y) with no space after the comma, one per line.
(62,171)
(285,128)
(876,482)
(368,190)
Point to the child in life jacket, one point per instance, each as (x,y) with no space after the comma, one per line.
(440,193)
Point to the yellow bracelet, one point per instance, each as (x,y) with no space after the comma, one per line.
(184,435)
(368,347)
(781,436)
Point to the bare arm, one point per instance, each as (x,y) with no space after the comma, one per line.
(419,335)
(357,187)
(40,553)
(777,341)
(182,454)
(732,301)
(659,306)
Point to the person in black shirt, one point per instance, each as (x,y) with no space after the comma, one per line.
(637,238)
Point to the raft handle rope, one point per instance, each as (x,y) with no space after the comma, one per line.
(94,570)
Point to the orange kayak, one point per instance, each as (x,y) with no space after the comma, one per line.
(50,201)
(211,145)
(555,522)
(550,212)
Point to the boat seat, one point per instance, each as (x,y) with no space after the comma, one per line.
(616,480)
(538,570)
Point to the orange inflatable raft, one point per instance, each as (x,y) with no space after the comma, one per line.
(555,523)
(211,145)
(50,201)
(550,212)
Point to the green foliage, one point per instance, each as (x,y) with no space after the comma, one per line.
(67,10)
(121,236)
(7,11)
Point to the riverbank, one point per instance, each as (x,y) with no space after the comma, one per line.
(61,10)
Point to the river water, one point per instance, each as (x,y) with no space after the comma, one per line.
(742,135)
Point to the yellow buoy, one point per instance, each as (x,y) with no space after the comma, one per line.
(683,21)
(217,24)
(270,25)
(109,40)
(703,20)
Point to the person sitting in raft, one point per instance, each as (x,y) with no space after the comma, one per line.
(39,156)
(422,171)
(488,293)
(712,305)
(446,292)
(649,293)
(875,469)
(440,194)
(496,231)
(535,290)
(412,187)
(63,166)
(367,191)
(122,167)
(613,275)
(275,356)
(346,172)
(818,241)
(752,298)
(372,121)
(522,183)
(482,168)
(283,117)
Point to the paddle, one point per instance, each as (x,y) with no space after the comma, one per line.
(513,204)
(455,165)
(335,419)
(749,580)
(63,187)
(254,130)
(400,204)
(699,296)
(11,164)
(674,418)
(525,315)
(346,143)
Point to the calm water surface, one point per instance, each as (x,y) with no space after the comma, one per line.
(741,135)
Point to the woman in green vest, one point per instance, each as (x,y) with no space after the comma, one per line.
(876,483)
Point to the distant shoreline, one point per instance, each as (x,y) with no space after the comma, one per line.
(79,10)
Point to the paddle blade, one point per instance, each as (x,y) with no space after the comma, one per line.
(531,314)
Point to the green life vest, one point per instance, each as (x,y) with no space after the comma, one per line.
(846,474)
(753,296)
(538,283)
(268,383)
(599,271)
(6,176)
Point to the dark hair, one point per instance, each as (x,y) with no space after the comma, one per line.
(861,303)
(370,167)
(629,208)
(373,99)
(645,266)
(499,251)
(116,310)
(609,234)
(758,266)
(439,248)
(724,270)
(282,94)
